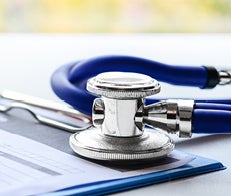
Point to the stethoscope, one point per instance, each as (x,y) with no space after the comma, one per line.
(121,114)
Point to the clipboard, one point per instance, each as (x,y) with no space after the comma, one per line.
(20,122)
(199,165)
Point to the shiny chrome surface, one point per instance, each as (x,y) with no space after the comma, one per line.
(119,117)
(122,85)
(121,97)
(98,112)
(225,77)
(95,145)
(161,115)
(118,136)
(185,110)
(173,116)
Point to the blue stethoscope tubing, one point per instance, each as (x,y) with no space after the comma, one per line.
(209,116)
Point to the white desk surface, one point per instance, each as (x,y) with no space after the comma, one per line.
(28,60)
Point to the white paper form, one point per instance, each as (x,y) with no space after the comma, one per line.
(28,167)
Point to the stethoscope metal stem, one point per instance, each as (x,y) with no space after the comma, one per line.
(173,116)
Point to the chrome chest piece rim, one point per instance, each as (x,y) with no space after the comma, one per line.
(123,85)
(94,145)
(116,136)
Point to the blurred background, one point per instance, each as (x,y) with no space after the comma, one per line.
(115,16)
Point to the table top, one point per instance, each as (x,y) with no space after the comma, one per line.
(28,60)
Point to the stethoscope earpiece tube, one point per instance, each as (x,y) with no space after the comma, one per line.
(213,106)
(177,75)
(211,118)
(211,121)
(73,94)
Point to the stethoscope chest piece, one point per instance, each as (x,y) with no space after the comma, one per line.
(119,132)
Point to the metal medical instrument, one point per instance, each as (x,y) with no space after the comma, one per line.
(121,115)
(119,118)
(30,104)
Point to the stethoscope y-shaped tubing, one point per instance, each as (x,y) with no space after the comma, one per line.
(209,116)
(69,81)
